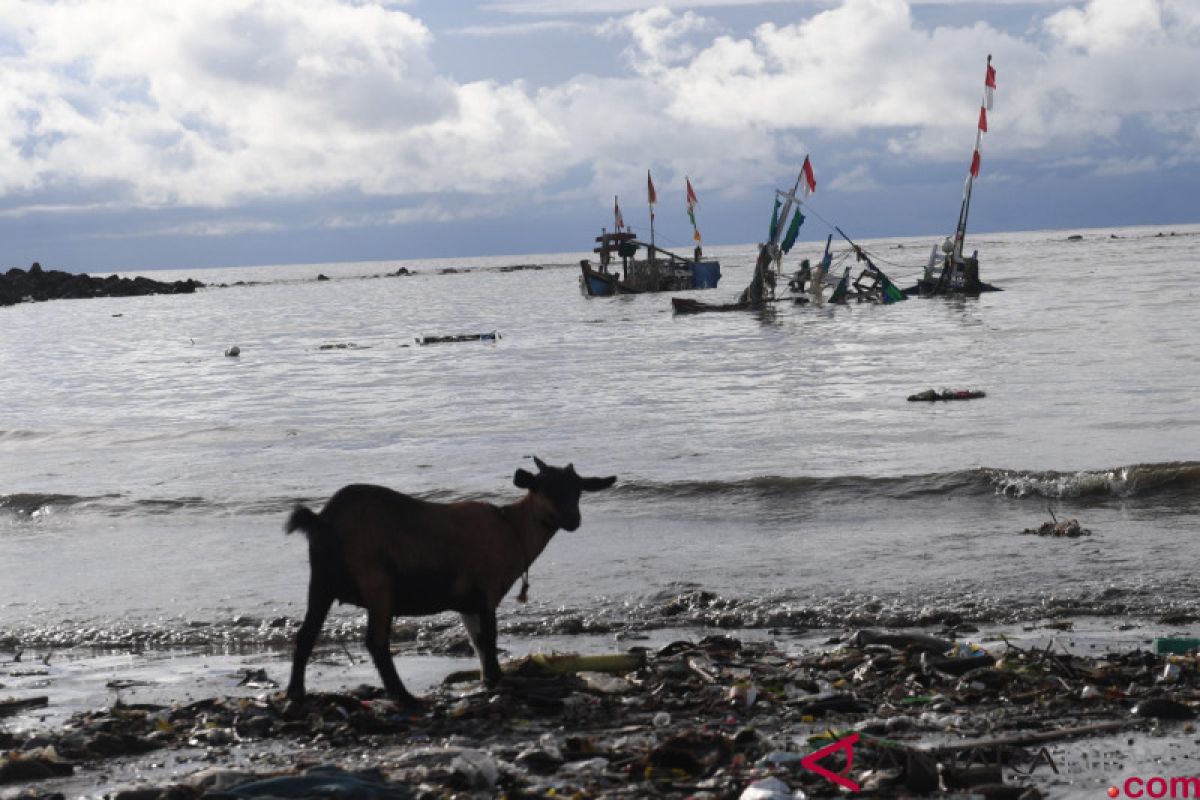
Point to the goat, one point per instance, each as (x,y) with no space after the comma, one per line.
(397,555)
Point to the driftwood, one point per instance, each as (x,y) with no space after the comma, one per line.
(10,707)
(1028,739)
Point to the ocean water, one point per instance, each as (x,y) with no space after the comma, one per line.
(770,470)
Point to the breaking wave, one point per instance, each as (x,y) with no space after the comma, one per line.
(1179,478)
(1138,480)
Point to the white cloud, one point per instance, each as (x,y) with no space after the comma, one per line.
(660,38)
(1119,167)
(515,29)
(217,102)
(856,179)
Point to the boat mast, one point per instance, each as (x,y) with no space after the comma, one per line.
(784,211)
(960,232)
(652,199)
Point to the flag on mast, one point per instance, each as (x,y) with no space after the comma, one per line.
(989,87)
(617,218)
(989,84)
(692,202)
(810,181)
(650,193)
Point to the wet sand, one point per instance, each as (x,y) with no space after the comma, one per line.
(678,726)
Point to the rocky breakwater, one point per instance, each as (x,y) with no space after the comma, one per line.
(36,284)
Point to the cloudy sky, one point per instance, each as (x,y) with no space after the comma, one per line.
(197,133)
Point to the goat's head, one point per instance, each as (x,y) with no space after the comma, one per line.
(561,487)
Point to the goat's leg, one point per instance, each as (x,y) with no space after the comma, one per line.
(379,626)
(319,602)
(481,628)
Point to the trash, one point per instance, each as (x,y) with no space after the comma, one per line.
(16,706)
(1069,528)
(476,769)
(1163,708)
(1175,644)
(947,394)
(604,683)
(490,336)
(320,781)
(669,728)
(770,789)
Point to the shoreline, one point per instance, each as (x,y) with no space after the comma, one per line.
(189,713)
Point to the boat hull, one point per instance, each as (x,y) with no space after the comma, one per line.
(644,277)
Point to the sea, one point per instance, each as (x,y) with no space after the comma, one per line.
(771,472)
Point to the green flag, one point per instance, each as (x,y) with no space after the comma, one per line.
(774,221)
(793,231)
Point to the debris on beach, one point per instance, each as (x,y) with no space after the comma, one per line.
(891,712)
(947,394)
(490,336)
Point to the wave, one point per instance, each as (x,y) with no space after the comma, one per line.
(1177,478)
(1138,480)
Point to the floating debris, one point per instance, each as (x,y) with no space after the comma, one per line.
(947,394)
(490,336)
(233,352)
(1069,528)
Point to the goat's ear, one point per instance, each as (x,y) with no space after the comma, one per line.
(596,484)
(523,479)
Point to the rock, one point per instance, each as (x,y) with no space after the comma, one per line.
(17,286)
(233,352)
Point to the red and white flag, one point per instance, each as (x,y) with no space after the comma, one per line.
(650,193)
(989,86)
(810,181)
(617,218)
(691,194)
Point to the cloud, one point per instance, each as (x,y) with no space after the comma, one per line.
(221,104)
(856,179)
(1119,167)
(627,6)
(515,29)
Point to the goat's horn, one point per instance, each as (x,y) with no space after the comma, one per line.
(541,466)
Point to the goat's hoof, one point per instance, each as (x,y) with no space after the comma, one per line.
(412,703)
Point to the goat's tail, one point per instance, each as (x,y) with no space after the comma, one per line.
(304,519)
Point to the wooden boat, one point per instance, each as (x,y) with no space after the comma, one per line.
(959,274)
(686,305)
(760,291)
(661,270)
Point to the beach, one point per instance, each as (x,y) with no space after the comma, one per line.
(774,487)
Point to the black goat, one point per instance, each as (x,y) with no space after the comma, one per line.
(396,555)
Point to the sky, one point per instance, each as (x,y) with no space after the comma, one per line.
(202,133)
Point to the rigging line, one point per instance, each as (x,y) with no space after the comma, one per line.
(872,253)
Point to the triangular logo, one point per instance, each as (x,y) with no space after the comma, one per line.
(809,762)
